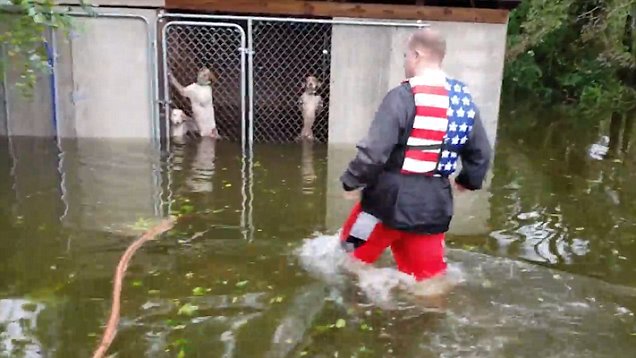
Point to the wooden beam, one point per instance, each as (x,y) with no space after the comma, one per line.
(333,9)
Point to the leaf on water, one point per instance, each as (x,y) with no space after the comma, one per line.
(189,275)
(179,327)
(187,310)
(218,211)
(186,209)
(137,283)
(234,299)
(323,328)
(154,292)
(366,327)
(172,323)
(242,283)
(303,353)
(141,224)
(198,291)
(228,185)
(341,323)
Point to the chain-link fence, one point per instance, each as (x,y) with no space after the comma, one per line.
(281,54)
(189,46)
(285,54)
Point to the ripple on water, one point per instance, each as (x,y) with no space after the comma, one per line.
(499,307)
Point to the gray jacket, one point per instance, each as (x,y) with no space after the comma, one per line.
(413,203)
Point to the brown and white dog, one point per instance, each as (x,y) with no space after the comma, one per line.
(311,105)
(200,95)
(182,125)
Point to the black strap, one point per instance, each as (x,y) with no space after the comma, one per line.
(425,147)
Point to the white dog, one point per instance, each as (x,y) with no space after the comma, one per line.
(311,105)
(200,95)
(182,125)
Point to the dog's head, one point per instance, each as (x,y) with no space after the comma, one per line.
(177,116)
(311,84)
(205,76)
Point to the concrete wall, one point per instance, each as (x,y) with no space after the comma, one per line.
(367,62)
(104,77)
(25,116)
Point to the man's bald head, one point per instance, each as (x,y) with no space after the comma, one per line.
(430,41)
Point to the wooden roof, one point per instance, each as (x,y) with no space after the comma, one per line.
(482,11)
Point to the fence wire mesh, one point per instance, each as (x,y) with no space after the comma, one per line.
(285,54)
(191,47)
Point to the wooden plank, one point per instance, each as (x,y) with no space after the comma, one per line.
(333,9)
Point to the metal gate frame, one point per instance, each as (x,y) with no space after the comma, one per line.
(164,59)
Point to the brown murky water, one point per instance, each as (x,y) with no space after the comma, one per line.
(555,277)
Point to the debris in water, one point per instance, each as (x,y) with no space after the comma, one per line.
(187,310)
(198,291)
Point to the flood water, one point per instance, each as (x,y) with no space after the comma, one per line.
(252,269)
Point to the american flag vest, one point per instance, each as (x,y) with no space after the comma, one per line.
(444,117)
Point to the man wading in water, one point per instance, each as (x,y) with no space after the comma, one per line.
(404,163)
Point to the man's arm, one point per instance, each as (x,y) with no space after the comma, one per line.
(475,156)
(374,150)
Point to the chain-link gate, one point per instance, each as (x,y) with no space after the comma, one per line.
(285,54)
(189,46)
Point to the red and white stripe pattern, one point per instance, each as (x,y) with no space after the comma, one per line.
(431,122)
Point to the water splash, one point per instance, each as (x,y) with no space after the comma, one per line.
(324,259)
(496,307)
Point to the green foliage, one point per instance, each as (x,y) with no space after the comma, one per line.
(22,34)
(578,52)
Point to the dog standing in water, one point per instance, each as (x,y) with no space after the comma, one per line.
(182,125)
(200,96)
(311,105)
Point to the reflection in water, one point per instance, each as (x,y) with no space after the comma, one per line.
(205,290)
(108,185)
(620,133)
(18,323)
(307,167)
(202,169)
(554,205)
(500,306)
(298,319)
